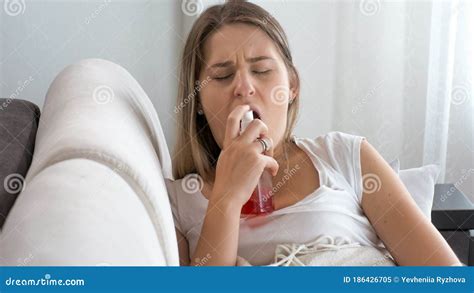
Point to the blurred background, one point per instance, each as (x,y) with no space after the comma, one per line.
(397,72)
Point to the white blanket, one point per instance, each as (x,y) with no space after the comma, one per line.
(327,251)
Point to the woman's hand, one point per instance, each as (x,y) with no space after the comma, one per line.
(241,161)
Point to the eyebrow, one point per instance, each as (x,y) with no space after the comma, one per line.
(249,60)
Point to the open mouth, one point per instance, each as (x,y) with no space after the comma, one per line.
(256,115)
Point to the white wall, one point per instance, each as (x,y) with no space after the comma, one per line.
(143,36)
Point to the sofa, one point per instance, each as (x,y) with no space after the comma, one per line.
(94,191)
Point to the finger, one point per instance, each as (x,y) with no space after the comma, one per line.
(271,165)
(232,128)
(257,146)
(256,129)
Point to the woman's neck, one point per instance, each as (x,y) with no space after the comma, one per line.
(284,155)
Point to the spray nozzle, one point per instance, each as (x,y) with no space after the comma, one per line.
(248,117)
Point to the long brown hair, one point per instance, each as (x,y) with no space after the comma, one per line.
(196,150)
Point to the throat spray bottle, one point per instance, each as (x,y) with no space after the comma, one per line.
(260,201)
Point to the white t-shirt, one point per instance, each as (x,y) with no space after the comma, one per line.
(333,209)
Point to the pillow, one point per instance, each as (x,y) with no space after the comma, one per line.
(420,183)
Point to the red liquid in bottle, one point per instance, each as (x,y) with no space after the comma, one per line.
(261,201)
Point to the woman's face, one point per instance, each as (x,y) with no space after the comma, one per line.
(243,66)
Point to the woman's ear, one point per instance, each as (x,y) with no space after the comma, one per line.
(293,94)
(294,86)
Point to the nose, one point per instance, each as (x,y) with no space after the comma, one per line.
(243,85)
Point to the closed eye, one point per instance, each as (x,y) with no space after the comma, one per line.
(262,72)
(222,77)
(229,75)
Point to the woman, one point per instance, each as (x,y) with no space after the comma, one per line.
(236,59)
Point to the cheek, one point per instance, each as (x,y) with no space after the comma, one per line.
(280,118)
(215,111)
(277,89)
(214,107)
(208,100)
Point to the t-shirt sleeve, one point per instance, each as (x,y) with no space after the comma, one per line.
(344,151)
(174,202)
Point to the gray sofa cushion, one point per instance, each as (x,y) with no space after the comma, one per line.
(18,124)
